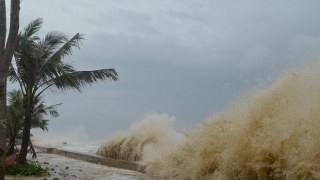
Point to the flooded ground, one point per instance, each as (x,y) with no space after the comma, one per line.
(66,168)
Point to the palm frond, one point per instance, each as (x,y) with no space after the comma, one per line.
(89,77)
(52,110)
(51,61)
(51,42)
(80,79)
(13,77)
(33,27)
(66,49)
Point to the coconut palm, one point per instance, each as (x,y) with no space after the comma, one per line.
(16,113)
(40,66)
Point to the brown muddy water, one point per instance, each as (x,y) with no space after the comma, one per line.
(269,133)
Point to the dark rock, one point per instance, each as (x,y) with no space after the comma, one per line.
(63,174)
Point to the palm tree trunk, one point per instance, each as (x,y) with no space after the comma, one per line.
(3,117)
(22,159)
(7,49)
(12,143)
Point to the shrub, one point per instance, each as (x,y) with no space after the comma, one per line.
(26,170)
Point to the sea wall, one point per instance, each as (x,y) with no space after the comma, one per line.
(92,158)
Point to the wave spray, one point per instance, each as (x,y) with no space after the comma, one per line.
(269,133)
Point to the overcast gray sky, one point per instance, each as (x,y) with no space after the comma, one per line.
(185,58)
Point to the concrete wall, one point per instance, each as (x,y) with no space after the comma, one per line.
(94,159)
(45,149)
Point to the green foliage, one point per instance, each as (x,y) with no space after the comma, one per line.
(26,170)
(16,114)
(39,65)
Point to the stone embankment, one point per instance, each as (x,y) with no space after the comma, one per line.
(93,158)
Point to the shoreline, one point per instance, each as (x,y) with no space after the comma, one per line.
(80,167)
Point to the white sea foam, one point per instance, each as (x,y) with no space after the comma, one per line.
(81,147)
(73,140)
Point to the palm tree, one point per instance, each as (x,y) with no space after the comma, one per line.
(15,118)
(40,66)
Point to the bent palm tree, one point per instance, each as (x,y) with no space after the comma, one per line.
(15,118)
(39,66)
